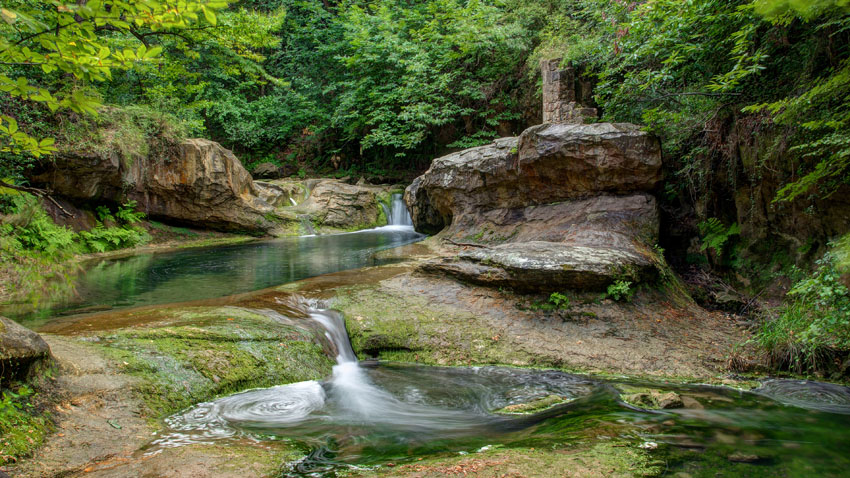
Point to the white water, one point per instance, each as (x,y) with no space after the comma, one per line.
(398,215)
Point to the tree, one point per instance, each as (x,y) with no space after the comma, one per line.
(42,39)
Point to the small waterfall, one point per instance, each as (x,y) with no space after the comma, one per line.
(398,215)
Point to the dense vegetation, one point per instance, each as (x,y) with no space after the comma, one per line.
(749,97)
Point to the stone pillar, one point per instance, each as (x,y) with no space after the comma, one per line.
(561,95)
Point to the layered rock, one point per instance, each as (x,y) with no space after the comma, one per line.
(21,349)
(562,206)
(339,205)
(199,182)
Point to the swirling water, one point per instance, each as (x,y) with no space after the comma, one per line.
(367,414)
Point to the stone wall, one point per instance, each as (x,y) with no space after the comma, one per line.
(566,97)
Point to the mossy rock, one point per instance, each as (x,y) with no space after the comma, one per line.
(533,406)
(205,352)
(652,399)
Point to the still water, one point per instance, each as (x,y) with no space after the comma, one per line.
(206,273)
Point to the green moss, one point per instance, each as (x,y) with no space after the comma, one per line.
(426,332)
(208,352)
(610,459)
(533,406)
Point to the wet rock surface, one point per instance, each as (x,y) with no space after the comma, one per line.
(21,349)
(199,182)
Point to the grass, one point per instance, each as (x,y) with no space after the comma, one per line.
(23,424)
(810,332)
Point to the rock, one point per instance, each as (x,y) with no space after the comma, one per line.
(279,194)
(533,406)
(199,183)
(561,206)
(544,266)
(654,400)
(670,400)
(342,206)
(425,217)
(739,457)
(615,221)
(266,171)
(21,349)
(546,164)
(692,403)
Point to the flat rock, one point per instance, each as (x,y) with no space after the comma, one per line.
(544,266)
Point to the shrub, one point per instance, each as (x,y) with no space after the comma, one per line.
(814,323)
(621,290)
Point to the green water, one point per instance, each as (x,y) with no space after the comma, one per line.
(206,273)
(777,440)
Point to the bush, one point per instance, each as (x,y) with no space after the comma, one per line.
(814,324)
(29,227)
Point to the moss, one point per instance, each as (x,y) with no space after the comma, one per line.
(605,459)
(533,406)
(426,332)
(204,353)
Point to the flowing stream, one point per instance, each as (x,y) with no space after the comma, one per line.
(368,414)
(374,413)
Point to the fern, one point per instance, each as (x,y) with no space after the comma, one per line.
(715,234)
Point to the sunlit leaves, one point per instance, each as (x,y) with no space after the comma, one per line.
(71,38)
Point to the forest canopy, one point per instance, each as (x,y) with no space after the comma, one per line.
(390,84)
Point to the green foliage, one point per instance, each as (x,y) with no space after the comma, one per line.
(814,322)
(560,301)
(621,290)
(556,301)
(102,239)
(22,426)
(30,228)
(42,43)
(123,235)
(715,235)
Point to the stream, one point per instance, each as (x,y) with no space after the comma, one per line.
(375,413)
(210,272)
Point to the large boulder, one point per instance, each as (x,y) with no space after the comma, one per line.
(21,349)
(198,182)
(267,171)
(339,205)
(561,206)
(546,164)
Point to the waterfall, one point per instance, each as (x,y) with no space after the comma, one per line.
(398,215)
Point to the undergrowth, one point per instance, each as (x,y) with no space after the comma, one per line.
(811,331)
(22,426)
(35,252)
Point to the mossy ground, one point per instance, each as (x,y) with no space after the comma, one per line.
(24,422)
(202,353)
(604,459)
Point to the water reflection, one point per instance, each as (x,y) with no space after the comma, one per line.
(195,274)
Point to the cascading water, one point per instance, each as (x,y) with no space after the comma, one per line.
(398,214)
(408,414)
(371,414)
